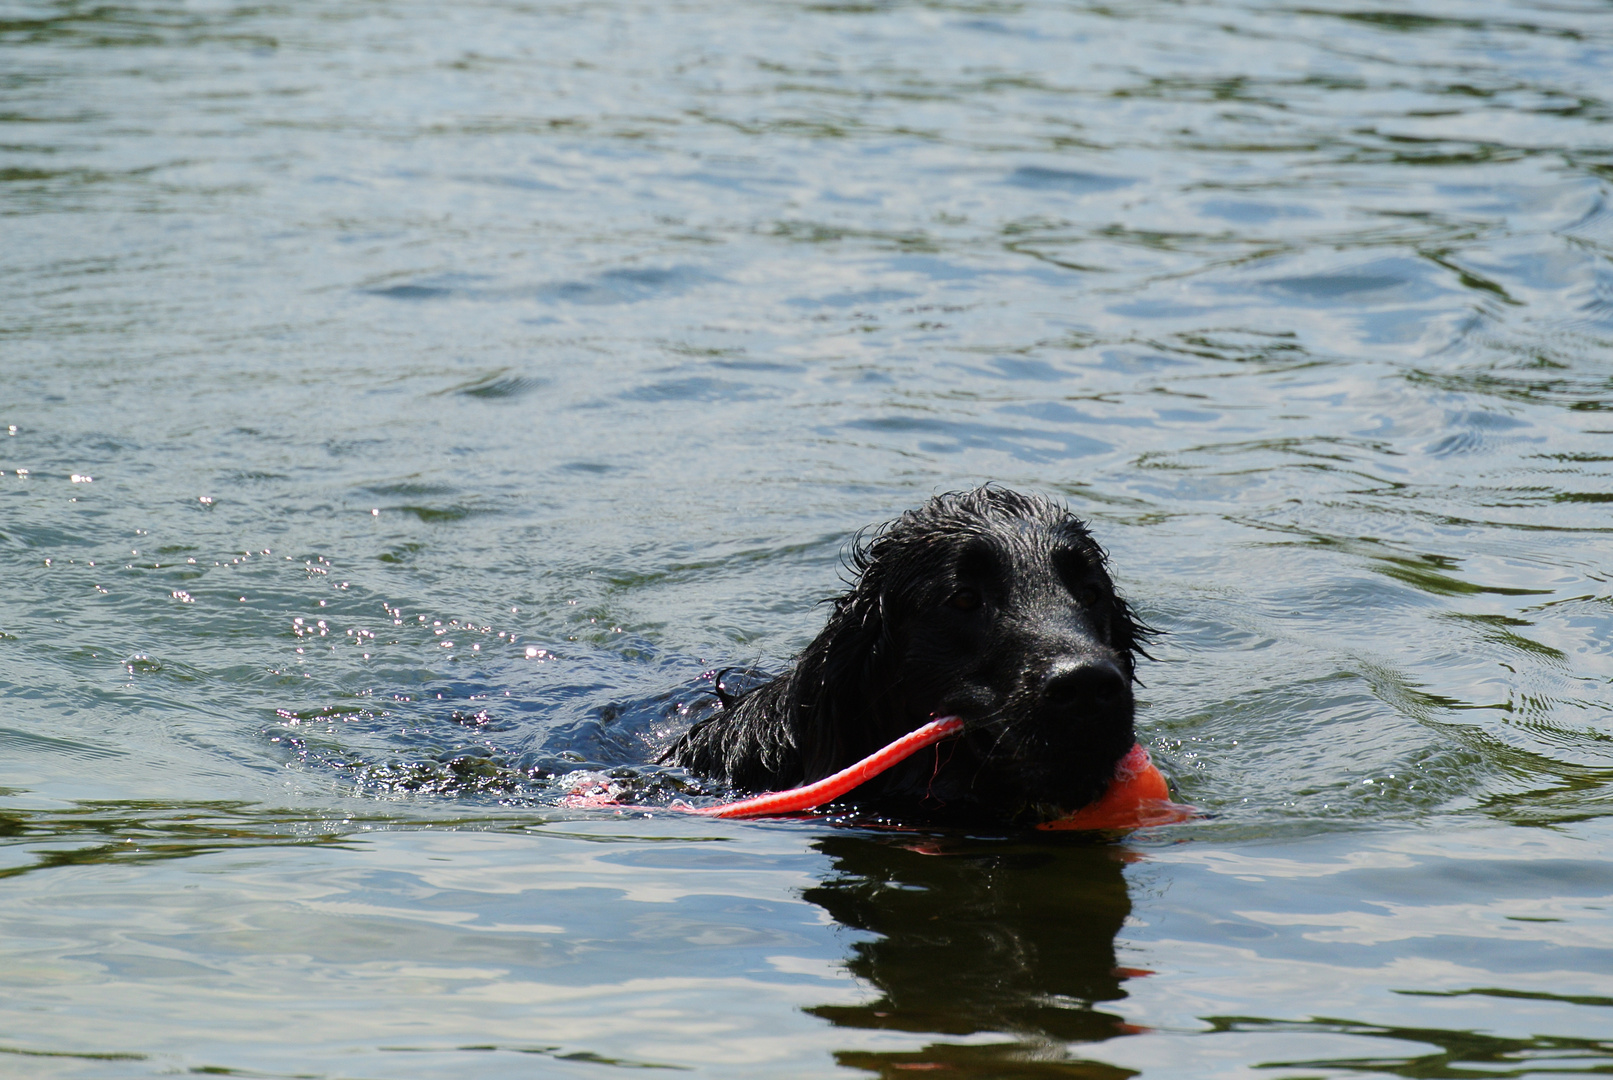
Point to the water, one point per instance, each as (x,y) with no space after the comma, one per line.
(588,335)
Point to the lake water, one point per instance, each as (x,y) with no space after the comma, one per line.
(403,405)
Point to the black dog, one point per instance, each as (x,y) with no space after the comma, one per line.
(989,605)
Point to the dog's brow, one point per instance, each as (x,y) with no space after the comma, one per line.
(1070,559)
(975,559)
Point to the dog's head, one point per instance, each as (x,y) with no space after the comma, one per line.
(996,607)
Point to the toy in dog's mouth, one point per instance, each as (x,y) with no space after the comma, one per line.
(1137,796)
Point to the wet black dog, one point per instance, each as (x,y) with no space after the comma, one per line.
(989,605)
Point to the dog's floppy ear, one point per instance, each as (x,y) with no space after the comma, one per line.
(1131,635)
(854,655)
(855,641)
(1128,634)
(843,673)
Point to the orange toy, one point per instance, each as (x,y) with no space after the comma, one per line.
(1137,798)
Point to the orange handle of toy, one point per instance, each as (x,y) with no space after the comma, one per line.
(831,788)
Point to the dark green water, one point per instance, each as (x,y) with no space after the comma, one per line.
(399,401)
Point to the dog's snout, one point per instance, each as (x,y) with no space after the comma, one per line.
(1088,683)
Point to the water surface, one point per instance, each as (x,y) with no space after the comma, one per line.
(403,407)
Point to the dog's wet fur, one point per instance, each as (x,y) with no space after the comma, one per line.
(990,605)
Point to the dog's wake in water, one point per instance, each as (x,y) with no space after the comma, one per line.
(988,608)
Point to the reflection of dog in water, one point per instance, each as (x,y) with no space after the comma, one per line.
(988,605)
(979,937)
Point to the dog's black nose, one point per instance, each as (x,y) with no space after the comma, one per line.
(1098,684)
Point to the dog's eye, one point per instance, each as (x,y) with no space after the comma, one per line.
(1086,596)
(964,600)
